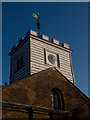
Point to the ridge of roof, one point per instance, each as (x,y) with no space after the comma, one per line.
(28,77)
(50,68)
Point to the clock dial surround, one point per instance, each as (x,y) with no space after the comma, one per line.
(51,58)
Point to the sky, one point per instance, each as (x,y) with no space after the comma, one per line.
(64,21)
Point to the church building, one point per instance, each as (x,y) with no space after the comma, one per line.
(42,84)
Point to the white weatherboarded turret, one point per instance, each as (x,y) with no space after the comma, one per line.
(34,54)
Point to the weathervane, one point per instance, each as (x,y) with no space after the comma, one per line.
(38,22)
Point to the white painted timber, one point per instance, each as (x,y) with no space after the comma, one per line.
(38,64)
(55,41)
(31,32)
(45,37)
(35,52)
(24,51)
(65,45)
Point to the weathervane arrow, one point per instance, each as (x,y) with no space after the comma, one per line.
(36,16)
(38,23)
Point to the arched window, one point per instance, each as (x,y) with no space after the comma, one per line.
(56,99)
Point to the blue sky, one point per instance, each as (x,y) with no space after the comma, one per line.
(64,21)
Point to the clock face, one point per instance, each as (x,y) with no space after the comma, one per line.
(51,58)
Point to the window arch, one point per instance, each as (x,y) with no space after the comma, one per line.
(57,99)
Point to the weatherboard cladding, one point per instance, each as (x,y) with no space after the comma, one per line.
(33,50)
(24,71)
(38,58)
